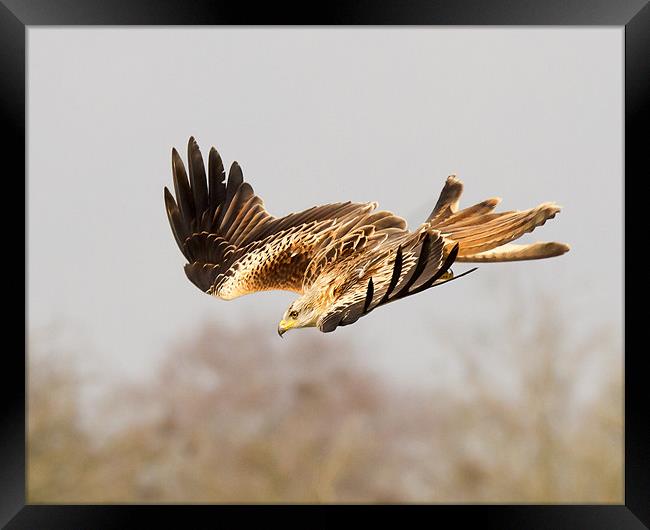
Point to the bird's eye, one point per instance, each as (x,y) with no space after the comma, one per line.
(293,314)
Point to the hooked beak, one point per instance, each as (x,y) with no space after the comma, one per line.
(285,325)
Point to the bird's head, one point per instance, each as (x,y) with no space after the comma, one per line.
(302,313)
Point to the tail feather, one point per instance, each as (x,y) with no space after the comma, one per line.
(448,201)
(486,236)
(513,252)
(472,215)
(501,231)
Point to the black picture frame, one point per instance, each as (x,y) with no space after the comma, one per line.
(16,15)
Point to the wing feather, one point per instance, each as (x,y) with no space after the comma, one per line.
(234,246)
(198,181)
(183,192)
(217,179)
(413,265)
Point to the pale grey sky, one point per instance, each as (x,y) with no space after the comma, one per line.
(315,115)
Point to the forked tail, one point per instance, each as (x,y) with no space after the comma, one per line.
(484,235)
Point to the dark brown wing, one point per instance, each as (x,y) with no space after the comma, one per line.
(415,263)
(234,246)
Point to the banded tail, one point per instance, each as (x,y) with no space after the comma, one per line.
(486,236)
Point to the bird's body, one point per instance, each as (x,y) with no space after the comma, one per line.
(344,259)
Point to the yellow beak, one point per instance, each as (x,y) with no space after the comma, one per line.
(286,325)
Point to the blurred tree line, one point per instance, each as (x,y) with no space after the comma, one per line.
(228,417)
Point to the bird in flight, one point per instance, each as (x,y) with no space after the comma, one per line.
(344,259)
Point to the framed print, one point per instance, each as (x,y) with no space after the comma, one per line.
(324,167)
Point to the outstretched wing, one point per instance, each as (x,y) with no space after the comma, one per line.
(414,263)
(234,246)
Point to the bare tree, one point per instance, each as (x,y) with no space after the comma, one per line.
(228,418)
